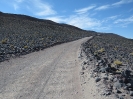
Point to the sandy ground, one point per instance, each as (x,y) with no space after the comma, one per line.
(53,73)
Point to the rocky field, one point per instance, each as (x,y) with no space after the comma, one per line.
(20,34)
(112,56)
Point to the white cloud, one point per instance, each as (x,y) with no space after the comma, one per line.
(58,19)
(84,10)
(122,2)
(104,7)
(109,19)
(82,21)
(16,7)
(42,9)
(113,17)
(103,28)
(16,4)
(124,22)
(45,10)
(37,7)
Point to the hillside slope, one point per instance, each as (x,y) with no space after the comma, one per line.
(21,34)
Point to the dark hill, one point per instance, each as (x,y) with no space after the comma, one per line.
(21,34)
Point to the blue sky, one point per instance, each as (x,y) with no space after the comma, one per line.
(112,16)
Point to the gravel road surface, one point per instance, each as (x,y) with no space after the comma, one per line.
(53,73)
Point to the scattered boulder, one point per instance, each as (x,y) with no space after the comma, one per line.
(82,73)
(104,69)
(131,82)
(97,79)
(128,84)
(105,78)
(83,68)
(131,93)
(121,97)
(100,61)
(126,73)
(96,69)
(84,63)
(115,79)
(117,91)
(125,87)
(117,85)
(106,93)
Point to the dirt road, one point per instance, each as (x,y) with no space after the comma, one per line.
(53,73)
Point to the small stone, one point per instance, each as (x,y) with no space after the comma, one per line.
(103,70)
(90,59)
(111,73)
(105,78)
(97,64)
(131,82)
(117,85)
(118,91)
(116,95)
(115,79)
(95,70)
(130,89)
(84,63)
(128,85)
(97,79)
(125,88)
(110,87)
(127,92)
(131,93)
(91,76)
(100,61)
(111,78)
(83,68)
(81,73)
(121,97)
(106,93)
(126,73)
